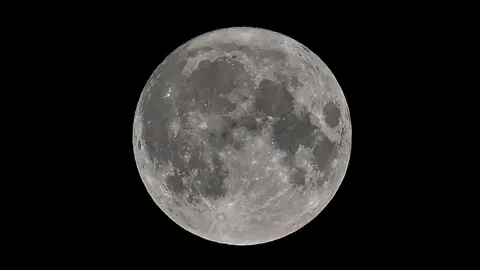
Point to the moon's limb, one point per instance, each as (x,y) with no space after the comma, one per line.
(242,136)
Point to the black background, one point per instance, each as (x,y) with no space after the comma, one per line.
(78,70)
(108,214)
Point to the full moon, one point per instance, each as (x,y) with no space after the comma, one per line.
(242,136)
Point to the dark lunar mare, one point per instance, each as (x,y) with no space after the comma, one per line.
(291,131)
(220,139)
(205,90)
(324,153)
(273,98)
(156,111)
(332,114)
(210,84)
(298,177)
(209,183)
(156,116)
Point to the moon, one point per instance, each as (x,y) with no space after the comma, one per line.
(242,136)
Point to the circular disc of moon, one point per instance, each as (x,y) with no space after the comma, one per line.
(242,136)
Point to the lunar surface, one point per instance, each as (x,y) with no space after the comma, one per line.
(242,136)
